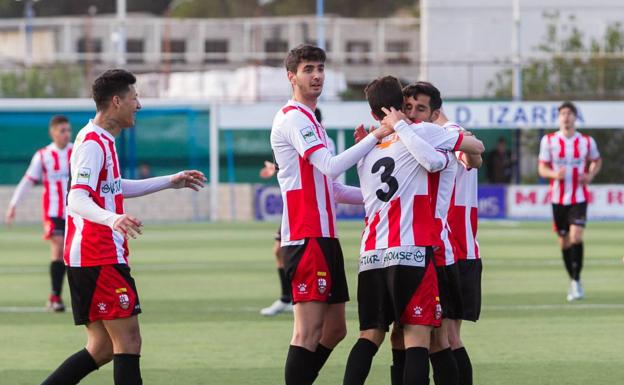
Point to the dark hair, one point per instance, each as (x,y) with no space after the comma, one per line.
(384,92)
(424,88)
(318,115)
(58,119)
(111,83)
(303,52)
(569,105)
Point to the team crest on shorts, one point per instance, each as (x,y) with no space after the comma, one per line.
(321,285)
(124,300)
(438,311)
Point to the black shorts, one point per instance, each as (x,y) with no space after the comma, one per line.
(566,215)
(450,291)
(278,234)
(102,293)
(53,226)
(470,271)
(316,271)
(399,293)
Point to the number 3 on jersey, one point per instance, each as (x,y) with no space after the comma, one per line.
(386,177)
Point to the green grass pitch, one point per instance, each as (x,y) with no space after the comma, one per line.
(201,286)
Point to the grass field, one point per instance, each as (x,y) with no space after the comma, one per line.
(201,286)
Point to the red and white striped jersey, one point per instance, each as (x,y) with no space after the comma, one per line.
(95,168)
(308,196)
(50,166)
(463,210)
(572,154)
(396,192)
(442,184)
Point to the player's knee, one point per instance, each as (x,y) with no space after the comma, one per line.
(338,332)
(101,351)
(376,336)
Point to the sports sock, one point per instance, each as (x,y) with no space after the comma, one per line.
(321,355)
(126,369)
(416,366)
(576,254)
(74,369)
(398,366)
(463,365)
(445,371)
(57,274)
(359,362)
(285,284)
(567,260)
(300,366)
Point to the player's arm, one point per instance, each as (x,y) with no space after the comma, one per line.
(544,168)
(32,176)
(334,165)
(431,159)
(470,160)
(347,194)
(592,170)
(192,179)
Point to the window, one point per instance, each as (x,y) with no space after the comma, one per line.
(176,49)
(134,50)
(216,51)
(90,46)
(357,52)
(275,49)
(397,52)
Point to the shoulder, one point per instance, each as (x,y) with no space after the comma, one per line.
(453,126)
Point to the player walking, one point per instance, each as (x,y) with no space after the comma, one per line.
(104,295)
(312,254)
(50,166)
(571,161)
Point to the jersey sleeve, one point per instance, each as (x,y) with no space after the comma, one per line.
(301,134)
(544,152)
(594,154)
(87,162)
(438,137)
(35,169)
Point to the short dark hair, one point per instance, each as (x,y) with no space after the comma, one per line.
(58,119)
(384,92)
(425,88)
(303,52)
(111,83)
(570,106)
(318,115)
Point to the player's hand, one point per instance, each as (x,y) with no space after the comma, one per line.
(10,216)
(559,175)
(128,226)
(192,179)
(585,179)
(467,133)
(268,170)
(393,116)
(360,133)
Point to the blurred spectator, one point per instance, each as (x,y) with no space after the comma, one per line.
(500,163)
(145,171)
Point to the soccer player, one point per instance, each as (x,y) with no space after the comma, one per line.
(397,282)
(312,254)
(571,161)
(104,295)
(284,303)
(424,103)
(50,166)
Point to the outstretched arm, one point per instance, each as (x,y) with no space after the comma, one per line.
(20,191)
(347,194)
(192,179)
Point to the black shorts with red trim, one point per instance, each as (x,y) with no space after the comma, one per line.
(316,271)
(470,271)
(566,215)
(400,293)
(450,291)
(102,293)
(53,226)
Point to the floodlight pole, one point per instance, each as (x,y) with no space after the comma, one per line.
(516,56)
(29,15)
(320,24)
(121,33)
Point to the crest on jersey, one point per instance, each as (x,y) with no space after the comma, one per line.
(309,135)
(83,176)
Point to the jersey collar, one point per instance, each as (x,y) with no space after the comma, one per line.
(101,131)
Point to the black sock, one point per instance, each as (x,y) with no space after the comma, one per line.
(321,355)
(576,254)
(126,369)
(74,369)
(57,274)
(445,371)
(398,367)
(567,260)
(285,284)
(416,366)
(359,362)
(301,366)
(463,365)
